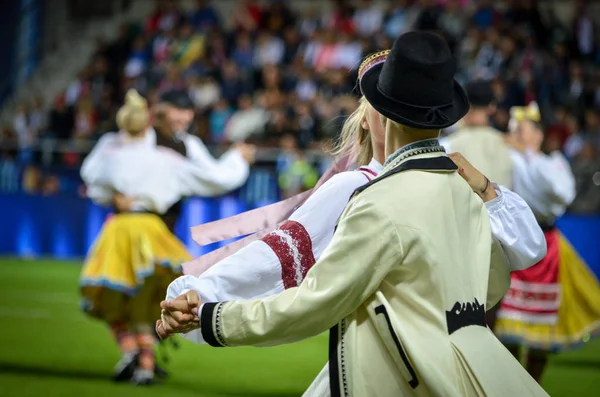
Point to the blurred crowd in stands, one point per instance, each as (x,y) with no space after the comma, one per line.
(279,77)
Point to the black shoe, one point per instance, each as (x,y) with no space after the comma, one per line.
(126,366)
(142,377)
(160,372)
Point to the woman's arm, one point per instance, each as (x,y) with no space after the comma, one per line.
(229,172)
(512,221)
(282,258)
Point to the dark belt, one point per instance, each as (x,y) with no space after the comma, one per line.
(137,212)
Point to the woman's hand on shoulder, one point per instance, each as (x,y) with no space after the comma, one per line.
(478,182)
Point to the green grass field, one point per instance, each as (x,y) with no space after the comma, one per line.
(50,349)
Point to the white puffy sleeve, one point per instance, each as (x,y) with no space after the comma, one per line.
(93,164)
(553,176)
(515,227)
(282,258)
(229,172)
(193,178)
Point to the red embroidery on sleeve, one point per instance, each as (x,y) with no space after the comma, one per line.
(293,247)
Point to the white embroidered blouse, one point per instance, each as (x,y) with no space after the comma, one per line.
(281,259)
(157,177)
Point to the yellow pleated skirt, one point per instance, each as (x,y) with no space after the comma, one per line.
(578,316)
(129,267)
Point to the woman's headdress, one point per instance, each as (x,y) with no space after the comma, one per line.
(370,62)
(133,115)
(530,112)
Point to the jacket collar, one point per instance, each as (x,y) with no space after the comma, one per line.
(424,148)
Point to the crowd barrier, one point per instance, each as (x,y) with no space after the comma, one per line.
(65,227)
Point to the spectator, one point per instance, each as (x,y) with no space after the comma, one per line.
(292,41)
(188,47)
(305,125)
(453,23)
(276,127)
(32,180)
(218,118)
(165,18)
(277,17)
(583,31)
(62,119)
(76,86)
(172,79)
(306,87)
(269,50)
(9,166)
(586,168)
(296,174)
(590,135)
(428,19)
(217,50)
(348,53)
(85,118)
(26,137)
(486,16)
(340,20)
(302,72)
(243,53)
(38,117)
(204,18)
(247,121)
(118,51)
(368,18)
(560,129)
(400,19)
(205,92)
(232,82)
(310,21)
(488,60)
(246,17)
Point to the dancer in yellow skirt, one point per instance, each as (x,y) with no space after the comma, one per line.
(555,304)
(135,257)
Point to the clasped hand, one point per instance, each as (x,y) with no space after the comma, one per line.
(179,315)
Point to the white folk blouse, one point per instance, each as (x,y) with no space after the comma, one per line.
(545,182)
(282,258)
(158,177)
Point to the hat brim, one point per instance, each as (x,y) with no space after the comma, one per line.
(415,117)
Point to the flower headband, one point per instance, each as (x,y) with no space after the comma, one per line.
(370,62)
(530,112)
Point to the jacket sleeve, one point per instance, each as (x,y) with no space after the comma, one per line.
(348,272)
(229,172)
(281,259)
(516,229)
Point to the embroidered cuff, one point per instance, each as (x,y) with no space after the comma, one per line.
(293,246)
(210,324)
(497,203)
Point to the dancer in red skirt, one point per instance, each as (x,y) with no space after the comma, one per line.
(554,304)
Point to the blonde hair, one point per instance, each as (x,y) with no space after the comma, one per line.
(133,117)
(354,141)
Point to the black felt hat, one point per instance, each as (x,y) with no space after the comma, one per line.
(177,98)
(413,83)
